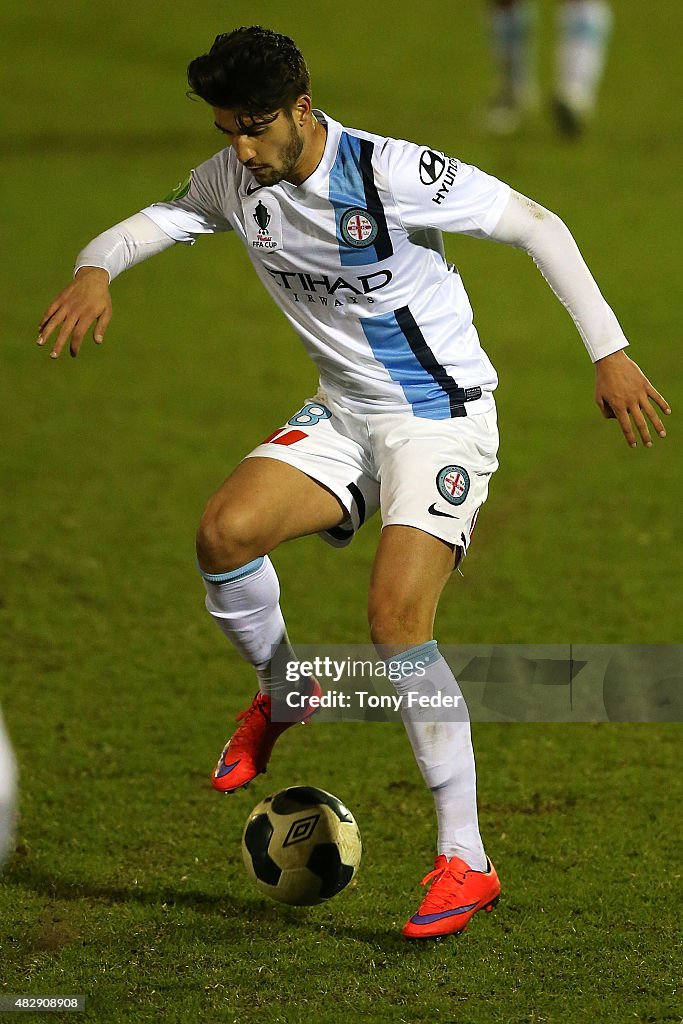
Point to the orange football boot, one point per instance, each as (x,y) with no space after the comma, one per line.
(456,893)
(248,751)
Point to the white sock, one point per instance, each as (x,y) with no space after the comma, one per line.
(513,39)
(442,744)
(584,28)
(245,604)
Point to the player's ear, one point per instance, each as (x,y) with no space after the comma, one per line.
(301,111)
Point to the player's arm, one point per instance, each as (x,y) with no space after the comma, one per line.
(622,390)
(194,208)
(432,190)
(87,300)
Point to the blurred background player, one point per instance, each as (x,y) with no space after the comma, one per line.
(582,33)
(7,794)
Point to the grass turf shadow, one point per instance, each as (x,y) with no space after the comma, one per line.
(243,913)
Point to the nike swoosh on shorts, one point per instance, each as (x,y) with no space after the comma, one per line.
(434,511)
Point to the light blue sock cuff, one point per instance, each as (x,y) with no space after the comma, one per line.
(234,574)
(425,654)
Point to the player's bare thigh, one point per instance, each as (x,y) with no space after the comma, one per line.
(262,503)
(409,573)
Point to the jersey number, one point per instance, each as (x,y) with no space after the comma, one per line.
(310,415)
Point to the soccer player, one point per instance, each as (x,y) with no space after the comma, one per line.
(8,785)
(583,31)
(344,230)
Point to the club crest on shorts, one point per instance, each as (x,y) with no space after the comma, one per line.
(453,483)
(358,228)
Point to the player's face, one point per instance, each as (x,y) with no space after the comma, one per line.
(271,147)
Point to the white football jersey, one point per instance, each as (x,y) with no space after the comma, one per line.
(354,258)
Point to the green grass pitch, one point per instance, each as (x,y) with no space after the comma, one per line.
(127,885)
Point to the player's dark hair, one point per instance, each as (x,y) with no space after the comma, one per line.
(253,71)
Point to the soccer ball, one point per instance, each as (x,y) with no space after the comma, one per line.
(301,845)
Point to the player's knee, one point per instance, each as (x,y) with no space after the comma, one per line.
(228,537)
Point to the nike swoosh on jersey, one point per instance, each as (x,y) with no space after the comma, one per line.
(251,189)
(434,511)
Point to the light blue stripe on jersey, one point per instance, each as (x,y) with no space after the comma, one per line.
(390,347)
(347,192)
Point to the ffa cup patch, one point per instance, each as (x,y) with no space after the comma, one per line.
(453,483)
(358,228)
(263,222)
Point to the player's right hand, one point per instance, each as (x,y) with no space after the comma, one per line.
(84,302)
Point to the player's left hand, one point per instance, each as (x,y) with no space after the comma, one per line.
(623,392)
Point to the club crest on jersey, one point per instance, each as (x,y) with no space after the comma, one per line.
(263,224)
(358,228)
(453,483)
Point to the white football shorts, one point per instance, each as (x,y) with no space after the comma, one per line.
(430,474)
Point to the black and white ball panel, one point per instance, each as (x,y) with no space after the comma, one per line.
(301,845)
